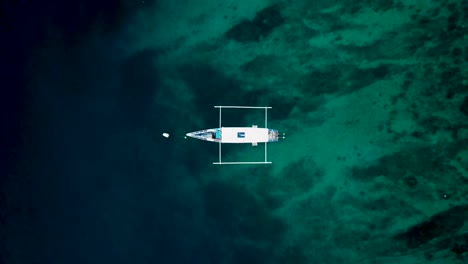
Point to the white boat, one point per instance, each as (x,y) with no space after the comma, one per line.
(250,135)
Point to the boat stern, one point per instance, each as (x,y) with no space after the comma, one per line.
(273,135)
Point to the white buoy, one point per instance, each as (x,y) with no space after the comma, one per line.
(166,135)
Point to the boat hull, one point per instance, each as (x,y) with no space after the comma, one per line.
(236,135)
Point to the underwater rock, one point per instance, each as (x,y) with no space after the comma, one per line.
(464,106)
(411,181)
(461,244)
(261,26)
(442,224)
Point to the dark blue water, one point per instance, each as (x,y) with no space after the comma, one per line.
(89,178)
